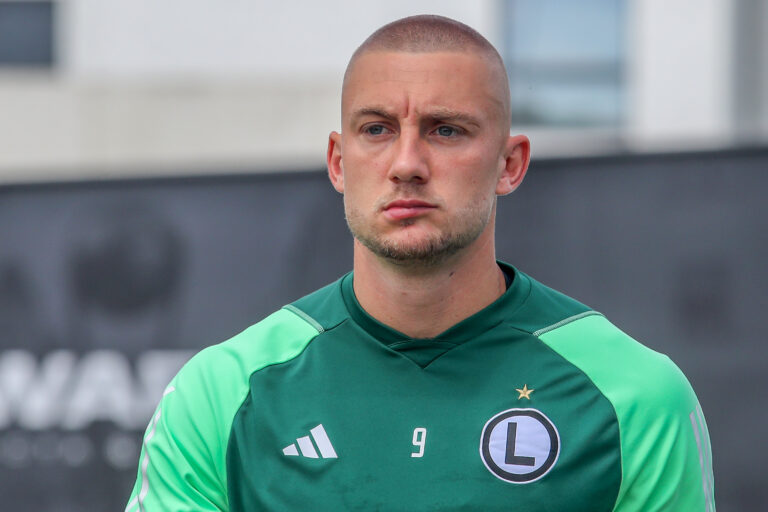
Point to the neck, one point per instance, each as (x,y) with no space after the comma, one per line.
(423,302)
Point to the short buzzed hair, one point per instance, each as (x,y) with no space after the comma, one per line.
(425,33)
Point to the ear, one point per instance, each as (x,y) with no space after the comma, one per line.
(517,155)
(333,159)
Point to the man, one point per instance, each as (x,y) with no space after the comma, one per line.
(432,377)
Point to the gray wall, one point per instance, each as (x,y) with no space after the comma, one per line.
(107,287)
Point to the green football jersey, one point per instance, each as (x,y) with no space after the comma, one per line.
(535,403)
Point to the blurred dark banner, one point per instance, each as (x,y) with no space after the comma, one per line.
(106,288)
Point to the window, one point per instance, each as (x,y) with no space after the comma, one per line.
(565,61)
(26,34)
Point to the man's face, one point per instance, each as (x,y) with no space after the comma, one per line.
(424,151)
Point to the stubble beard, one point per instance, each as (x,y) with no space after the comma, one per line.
(429,251)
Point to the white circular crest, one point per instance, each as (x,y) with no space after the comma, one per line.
(519,445)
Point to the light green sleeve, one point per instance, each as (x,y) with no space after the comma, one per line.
(179,468)
(665,451)
(182,465)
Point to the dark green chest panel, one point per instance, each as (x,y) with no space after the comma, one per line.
(353,425)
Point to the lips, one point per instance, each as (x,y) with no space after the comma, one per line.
(407,209)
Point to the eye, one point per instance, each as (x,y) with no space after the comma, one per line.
(447,131)
(375,129)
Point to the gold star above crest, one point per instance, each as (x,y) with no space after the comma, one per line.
(525,392)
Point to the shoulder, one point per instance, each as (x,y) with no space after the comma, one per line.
(644,386)
(184,451)
(664,443)
(219,375)
(624,370)
(217,378)
(269,341)
(535,306)
(221,372)
(612,359)
(201,401)
(666,461)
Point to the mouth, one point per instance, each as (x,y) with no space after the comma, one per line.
(407,209)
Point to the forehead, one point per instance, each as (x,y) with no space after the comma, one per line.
(397,80)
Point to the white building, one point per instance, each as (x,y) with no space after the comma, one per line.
(113,88)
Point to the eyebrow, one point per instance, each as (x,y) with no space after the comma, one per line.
(439,114)
(446,114)
(372,111)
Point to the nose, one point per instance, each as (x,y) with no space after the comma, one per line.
(409,164)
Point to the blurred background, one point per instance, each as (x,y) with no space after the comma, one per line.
(162,188)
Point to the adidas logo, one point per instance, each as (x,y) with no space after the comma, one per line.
(307,448)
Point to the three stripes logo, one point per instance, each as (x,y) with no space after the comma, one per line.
(307,447)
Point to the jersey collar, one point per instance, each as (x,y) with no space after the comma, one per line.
(469,328)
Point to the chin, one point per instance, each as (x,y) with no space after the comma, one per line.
(422,251)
